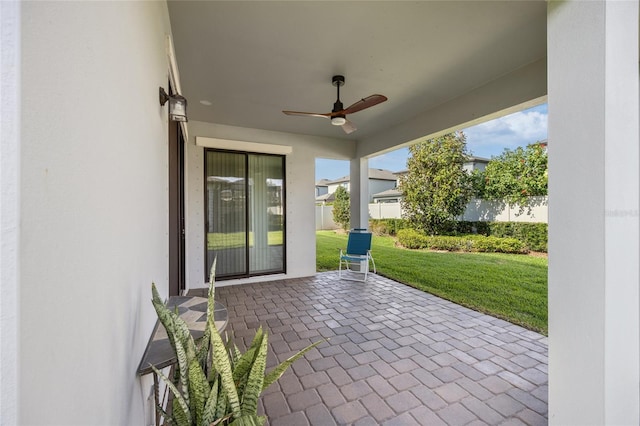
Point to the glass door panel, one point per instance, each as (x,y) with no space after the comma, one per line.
(266,207)
(226,213)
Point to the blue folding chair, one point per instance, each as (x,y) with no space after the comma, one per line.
(357,256)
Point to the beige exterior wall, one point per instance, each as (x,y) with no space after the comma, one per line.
(300,200)
(93,190)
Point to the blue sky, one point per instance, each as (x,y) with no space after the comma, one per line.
(487,140)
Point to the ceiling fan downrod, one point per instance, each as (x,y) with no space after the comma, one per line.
(338,120)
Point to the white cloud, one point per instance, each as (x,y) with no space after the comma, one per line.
(511,131)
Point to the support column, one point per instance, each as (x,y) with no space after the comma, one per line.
(359,193)
(594,305)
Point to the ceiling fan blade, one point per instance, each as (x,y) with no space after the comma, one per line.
(308,114)
(349,127)
(365,103)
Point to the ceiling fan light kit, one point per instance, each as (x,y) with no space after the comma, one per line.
(338,120)
(338,114)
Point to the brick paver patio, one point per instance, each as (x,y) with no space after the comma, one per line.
(396,355)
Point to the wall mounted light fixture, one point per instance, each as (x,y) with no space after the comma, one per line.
(177,105)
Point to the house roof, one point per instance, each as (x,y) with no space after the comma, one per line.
(323,182)
(473,158)
(326,197)
(388,193)
(378,174)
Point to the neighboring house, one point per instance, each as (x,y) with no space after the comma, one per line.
(326,198)
(389,196)
(475,163)
(394,194)
(322,187)
(379,180)
(544,144)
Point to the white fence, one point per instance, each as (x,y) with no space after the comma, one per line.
(495,211)
(477,211)
(324,218)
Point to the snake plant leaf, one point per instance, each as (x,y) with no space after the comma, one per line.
(179,337)
(248,420)
(155,296)
(220,420)
(257,339)
(198,390)
(161,413)
(243,364)
(170,321)
(164,314)
(202,348)
(235,354)
(180,418)
(209,412)
(222,404)
(178,398)
(279,370)
(212,290)
(253,387)
(175,326)
(223,365)
(183,369)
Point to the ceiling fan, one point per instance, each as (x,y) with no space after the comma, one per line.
(338,114)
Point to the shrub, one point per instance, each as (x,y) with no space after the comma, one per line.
(493,244)
(413,239)
(341,208)
(533,235)
(387,226)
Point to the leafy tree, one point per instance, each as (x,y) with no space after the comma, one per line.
(436,188)
(478,183)
(341,208)
(517,175)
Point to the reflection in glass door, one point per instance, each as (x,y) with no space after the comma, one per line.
(244,213)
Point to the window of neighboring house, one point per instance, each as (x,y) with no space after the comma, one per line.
(245,213)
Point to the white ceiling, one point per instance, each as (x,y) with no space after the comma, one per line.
(252,60)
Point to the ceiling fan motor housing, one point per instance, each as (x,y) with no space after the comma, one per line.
(338,80)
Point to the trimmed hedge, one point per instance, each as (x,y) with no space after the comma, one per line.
(387,226)
(413,239)
(533,235)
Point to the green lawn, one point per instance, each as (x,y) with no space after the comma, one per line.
(218,241)
(508,286)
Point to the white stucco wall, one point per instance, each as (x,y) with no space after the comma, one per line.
(9,209)
(593,241)
(93,190)
(300,201)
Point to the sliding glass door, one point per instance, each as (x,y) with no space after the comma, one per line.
(244,213)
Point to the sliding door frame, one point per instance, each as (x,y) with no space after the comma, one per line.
(247,273)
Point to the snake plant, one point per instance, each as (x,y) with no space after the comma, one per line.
(215,383)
